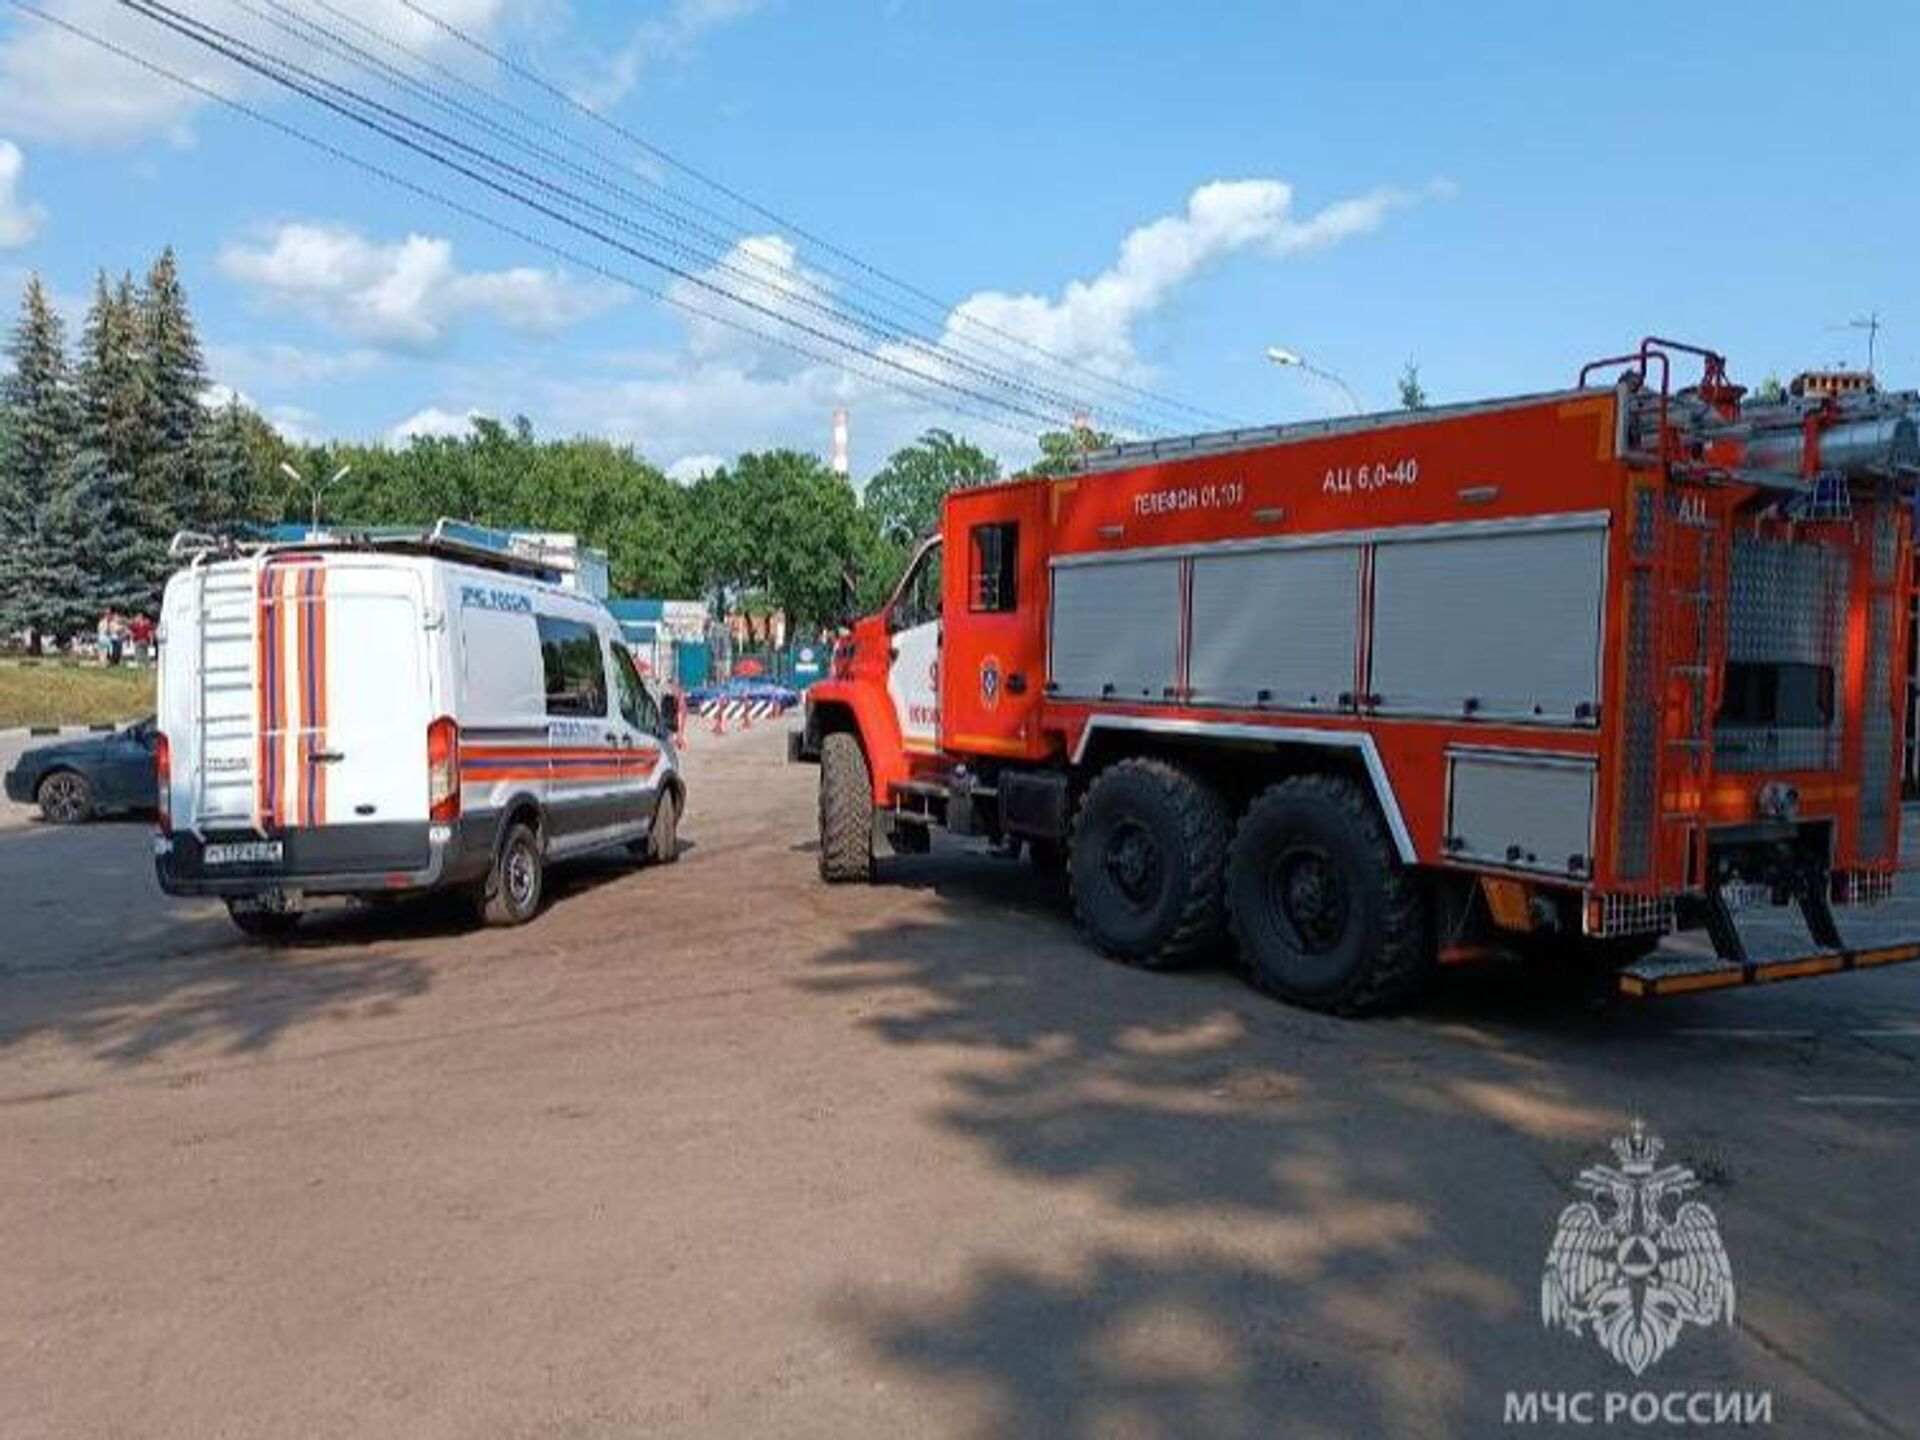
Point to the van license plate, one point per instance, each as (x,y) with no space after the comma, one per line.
(243,852)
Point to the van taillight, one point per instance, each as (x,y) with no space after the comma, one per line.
(443,770)
(163,783)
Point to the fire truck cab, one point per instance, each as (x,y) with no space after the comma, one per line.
(1566,671)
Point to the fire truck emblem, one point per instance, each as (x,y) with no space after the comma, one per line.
(990,682)
(1622,1265)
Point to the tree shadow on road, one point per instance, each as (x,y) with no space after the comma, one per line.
(1282,1223)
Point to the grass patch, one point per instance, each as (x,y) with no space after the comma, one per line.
(62,692)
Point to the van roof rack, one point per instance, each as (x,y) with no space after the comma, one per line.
(446,538)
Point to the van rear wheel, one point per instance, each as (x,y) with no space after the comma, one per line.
(1324,912)
(846,810)
(512,895)
(254,920)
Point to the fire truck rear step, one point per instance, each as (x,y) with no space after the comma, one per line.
(1662,974)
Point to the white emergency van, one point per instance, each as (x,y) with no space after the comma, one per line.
(380,715)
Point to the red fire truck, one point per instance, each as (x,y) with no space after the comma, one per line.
(1562,673)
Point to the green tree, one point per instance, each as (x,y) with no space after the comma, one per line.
(43,420)
(119,538)
(234,463)
(1770,391)
(776,531)
(1413,395)
(96,542)
(172,491)
(1061,450)
(904,496)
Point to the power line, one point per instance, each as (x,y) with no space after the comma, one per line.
(220,42)
(505,227)
(647,147)
(674,205)
(878,327)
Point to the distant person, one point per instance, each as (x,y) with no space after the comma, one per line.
(140,634)
(103,637)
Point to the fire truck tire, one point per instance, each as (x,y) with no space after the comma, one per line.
(1146,863)
(846,810)
(1325,914)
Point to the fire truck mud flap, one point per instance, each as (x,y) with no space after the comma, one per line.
(1663,974)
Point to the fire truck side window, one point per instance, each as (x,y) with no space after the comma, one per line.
(919,600)
(992,583)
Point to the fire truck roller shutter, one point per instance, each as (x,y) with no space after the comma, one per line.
(1275,626)
(1497,622)
(1116,628)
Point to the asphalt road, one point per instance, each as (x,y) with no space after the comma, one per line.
(713,1150)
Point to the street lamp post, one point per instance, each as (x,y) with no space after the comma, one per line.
(315,490)
(1282,356)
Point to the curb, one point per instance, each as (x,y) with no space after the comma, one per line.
(39,732)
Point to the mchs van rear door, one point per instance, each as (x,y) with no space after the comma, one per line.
(342,674)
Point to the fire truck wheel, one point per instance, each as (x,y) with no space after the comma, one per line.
(1146,863)
(846,810)
(1324,912)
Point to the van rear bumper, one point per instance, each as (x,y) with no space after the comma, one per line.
(333,859)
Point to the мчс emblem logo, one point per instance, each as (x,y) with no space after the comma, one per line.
(1636,1262)
(990,682)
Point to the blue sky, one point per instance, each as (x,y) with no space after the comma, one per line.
(1497,191)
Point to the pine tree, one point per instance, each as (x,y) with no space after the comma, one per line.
(43,418)
(119,537)
(88,538)
(226,461)
(172,491)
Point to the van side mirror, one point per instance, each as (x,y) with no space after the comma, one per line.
(670,712)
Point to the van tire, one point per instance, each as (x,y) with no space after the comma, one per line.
(513,888)
(1325,914)
(663,839)
(846,810)
(258,924)
(1146,863)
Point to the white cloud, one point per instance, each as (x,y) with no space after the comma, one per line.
(294,422)
(408,294)
(276,364)
(669,36)
(689,468)
(55,85)
(766,270)
(433,423)
(732,391)
(20,220)
(1091,321)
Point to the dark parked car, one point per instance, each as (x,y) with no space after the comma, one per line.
(77,779)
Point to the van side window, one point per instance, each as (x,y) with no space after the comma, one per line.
(636,705)
(576,674)
(993,568)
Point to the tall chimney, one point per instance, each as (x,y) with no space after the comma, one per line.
(842,461)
